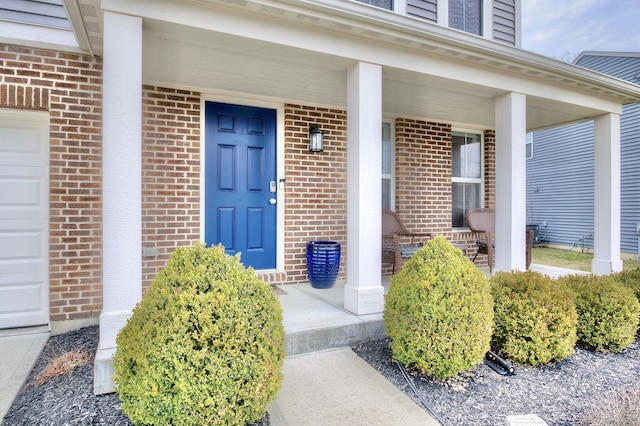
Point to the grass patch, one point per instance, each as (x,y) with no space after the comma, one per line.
(569,259)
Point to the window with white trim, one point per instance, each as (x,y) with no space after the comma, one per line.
(529,145)
(466,175)
(387,167)
(466,15)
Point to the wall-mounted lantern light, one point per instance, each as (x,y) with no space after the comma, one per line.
(315,139)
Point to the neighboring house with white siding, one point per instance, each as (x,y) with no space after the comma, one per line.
(560,178)
(163,123)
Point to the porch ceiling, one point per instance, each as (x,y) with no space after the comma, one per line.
(176,55)
(300,51)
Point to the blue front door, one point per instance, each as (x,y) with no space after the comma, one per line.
(240,181)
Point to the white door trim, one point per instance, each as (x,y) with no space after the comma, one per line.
(280,159)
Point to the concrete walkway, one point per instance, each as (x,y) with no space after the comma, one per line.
(18,354)
(336,387)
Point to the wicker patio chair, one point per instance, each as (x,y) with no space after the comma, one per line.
(398,244)
(482,222)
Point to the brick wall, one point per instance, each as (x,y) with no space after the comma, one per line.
(490,168)
(170,174)
(316,185)
(69,86)
(423,179)
(316,182)
(423,176)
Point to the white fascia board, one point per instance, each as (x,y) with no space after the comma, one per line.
(74,14)
(468,43)
(340,27)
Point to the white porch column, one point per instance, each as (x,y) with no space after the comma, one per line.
(363,293)
(510,182)
(606,219)
(122,205)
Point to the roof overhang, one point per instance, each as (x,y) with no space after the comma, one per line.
(299,51)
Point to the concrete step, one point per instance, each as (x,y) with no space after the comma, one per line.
(316,320)
(306,341)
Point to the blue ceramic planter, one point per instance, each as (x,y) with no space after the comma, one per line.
(323,263)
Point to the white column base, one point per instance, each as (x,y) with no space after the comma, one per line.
(605,267)
(110,325)
(103,372)
(364,300)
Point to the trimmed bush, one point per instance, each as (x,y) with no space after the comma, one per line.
(607,312)
(535,318)
(439,311)
(204,346)
(630,279)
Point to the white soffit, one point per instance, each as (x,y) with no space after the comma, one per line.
(299,51)
(87,22)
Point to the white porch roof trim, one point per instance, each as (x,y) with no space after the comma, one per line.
(355,19)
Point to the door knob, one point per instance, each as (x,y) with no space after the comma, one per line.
(272,201)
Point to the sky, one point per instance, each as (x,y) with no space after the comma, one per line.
(562,29)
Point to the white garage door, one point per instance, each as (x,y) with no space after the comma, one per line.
(24,219)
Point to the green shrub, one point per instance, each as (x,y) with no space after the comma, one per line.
(439,311)
(535,318)
(630,279)
(607,312)
(204,346)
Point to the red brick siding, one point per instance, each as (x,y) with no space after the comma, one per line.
(316,185)
(170,174)
(490,168)
(423,176)
(69,86)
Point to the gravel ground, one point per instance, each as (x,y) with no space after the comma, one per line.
(561,393)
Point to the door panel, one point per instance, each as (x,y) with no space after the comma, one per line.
(24,220)
(225,226)
(240,161)
(255,237)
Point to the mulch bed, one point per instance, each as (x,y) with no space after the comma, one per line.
(66,399)
(562,393)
